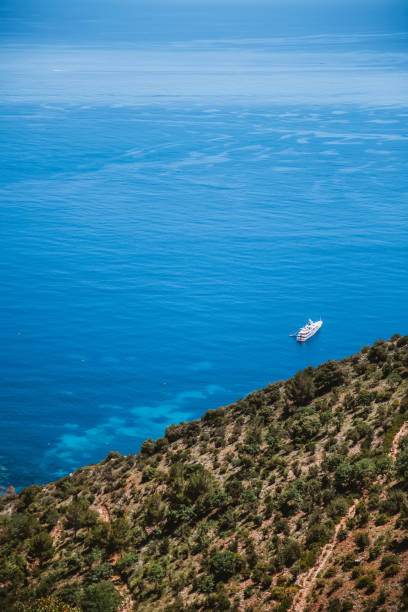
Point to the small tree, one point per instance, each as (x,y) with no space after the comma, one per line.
(377,353)
(41,546)
(300,388)
(75,514)
(289,551)
(155,509)
(327,376)
(305,429)
(119,534)
(148,447)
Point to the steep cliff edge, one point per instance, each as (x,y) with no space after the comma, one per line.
(293,498)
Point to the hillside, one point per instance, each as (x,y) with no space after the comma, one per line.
(293,498)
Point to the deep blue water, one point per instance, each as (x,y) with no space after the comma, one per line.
(170,214)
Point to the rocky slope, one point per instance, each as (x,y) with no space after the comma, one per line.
(293,498)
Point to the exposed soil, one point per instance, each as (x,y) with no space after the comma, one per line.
(308,579)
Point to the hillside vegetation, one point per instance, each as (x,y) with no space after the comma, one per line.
(293,498)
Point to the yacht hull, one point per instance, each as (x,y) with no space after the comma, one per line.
(308,330)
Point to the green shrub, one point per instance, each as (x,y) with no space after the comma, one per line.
(390,565)
(375,550)
(41,546)
(154,510)
(318,533)
(402,464)
(391,570)
(305,429)
(289,551)
(348,562)
(175,432)
(248,592)
(334,605)
(289,501)
(154,571)
(377,352)
(342,534)
(388,560)
(337,507)
(278,593)
(71,593)
(213,417)
(77,515)
(223,565)
(98,573)
(222,602)
(330,572)
(206,584)
(148,473)
(362,539)
(365,581)
(382,519)
(28,495)
(102,597)
(393,503)
(124,564)
(234,489)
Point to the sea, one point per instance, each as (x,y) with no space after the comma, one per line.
(180,193)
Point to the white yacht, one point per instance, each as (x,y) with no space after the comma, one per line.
(308,330)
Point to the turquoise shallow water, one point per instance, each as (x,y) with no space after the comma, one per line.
(168,217)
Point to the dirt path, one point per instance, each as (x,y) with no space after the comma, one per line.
(103,512)
(394,447)
(307,580)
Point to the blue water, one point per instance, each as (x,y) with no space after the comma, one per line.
(172,211)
